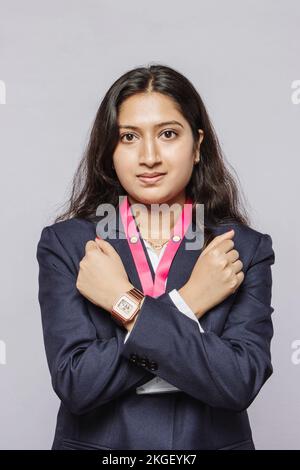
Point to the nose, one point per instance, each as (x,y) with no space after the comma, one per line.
(149,154)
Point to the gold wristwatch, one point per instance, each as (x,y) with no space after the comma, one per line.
(127,306)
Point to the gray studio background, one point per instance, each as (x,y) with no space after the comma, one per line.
(57,59)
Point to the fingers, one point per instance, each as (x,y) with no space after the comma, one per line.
(240,277)
(101,245)
(105,246)
(232,255)
(219,239)
(237,266)
(90,246)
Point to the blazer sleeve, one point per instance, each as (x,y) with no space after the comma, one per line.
(181,306)
(86,371)
(226,370)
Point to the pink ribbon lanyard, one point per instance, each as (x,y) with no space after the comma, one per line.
(133,238)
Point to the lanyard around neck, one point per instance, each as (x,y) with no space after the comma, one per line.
(133,238)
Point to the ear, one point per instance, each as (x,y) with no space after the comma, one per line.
(201,137)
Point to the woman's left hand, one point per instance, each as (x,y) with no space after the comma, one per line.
(102,277)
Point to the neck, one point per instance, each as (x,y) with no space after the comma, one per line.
(154,222)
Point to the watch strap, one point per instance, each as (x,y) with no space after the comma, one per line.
(136,294)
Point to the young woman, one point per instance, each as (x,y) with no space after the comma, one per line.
(152,344)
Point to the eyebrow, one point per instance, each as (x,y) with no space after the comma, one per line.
(160,124)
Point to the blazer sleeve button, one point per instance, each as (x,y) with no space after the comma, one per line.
(144,362)
(133,358)
(153,365)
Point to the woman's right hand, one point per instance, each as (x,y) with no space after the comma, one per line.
(216,274)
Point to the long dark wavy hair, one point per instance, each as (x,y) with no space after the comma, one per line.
(211,183)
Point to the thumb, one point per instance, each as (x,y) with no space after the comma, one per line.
(218,239)
(105,246)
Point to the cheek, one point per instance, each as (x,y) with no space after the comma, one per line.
(180,153)
(122,161)
(181,175)
(180,163)
(125,169)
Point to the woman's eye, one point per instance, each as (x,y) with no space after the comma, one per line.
(125,135)
(169,132)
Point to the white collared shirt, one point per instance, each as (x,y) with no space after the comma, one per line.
(158,385)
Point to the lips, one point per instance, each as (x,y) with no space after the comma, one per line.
(151,178)
(151,175)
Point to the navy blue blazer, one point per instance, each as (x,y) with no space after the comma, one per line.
(95,374)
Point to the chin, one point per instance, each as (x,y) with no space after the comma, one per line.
(152,199)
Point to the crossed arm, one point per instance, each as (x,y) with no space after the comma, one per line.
(224,371)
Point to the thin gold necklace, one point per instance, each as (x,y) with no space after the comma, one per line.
(155,245)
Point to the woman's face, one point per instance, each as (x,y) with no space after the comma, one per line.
(148,146)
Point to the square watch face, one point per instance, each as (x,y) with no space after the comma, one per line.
(125,307)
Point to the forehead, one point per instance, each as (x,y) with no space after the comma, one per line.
(149,109)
